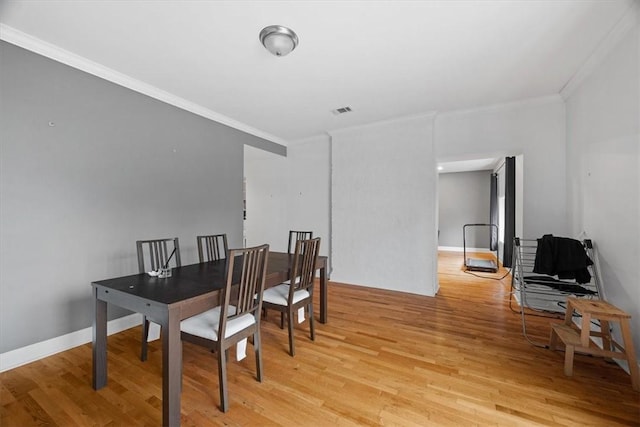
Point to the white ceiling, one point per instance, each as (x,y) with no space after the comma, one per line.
(384,59)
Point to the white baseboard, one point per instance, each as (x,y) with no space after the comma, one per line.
(31,353)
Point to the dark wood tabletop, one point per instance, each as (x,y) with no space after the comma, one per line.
(191,289)
(195,279)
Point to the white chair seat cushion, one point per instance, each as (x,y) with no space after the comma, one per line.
(205,324)
(279,295)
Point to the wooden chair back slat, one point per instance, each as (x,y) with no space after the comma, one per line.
(244,285)
(295,235)
(303,269)
(156,253)
(212,247)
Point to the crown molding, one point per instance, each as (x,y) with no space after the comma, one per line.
(403,119)
(51,51)
(314,139)
(523,103)
(611,40)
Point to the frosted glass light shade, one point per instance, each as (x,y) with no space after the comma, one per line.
(278,40)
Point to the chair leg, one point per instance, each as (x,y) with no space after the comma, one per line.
(568,360)
(311,329)
(291,319)
(282,320)
(257,347)
(222,378)
(145,337)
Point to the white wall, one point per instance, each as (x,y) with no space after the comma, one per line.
(288,193)
(534,129)
(267,198)
(603,125)
(383,199)
(381,156)
(309,178)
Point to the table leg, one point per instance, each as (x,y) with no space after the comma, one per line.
(99,342)
(323,294)
(171,369)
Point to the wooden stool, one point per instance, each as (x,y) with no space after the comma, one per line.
(579,338)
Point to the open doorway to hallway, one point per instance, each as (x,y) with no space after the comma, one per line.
(465,197)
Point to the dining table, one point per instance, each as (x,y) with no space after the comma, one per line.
(191,289)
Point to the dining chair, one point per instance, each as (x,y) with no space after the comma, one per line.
(295,235)
(287,298)
(153,255)
(212,247)
(238,316)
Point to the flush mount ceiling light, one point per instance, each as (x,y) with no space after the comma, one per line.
(278,40)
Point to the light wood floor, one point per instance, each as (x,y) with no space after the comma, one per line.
(384,358)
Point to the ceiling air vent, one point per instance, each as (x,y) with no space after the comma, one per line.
(341,110)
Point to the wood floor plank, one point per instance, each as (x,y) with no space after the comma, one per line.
(56,413)
(385,358)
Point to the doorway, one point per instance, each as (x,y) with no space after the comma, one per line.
(464,197)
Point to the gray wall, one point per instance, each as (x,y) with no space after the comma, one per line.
(464,198)
(115,166)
